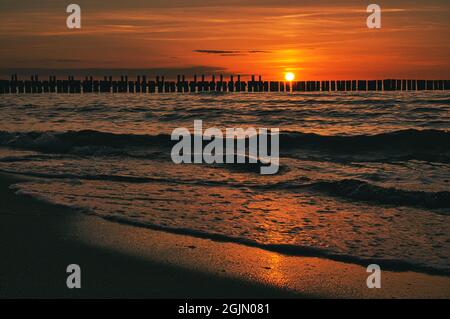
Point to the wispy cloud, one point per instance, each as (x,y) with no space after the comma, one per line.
(230,52)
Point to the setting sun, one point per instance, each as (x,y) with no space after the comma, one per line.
(289,76)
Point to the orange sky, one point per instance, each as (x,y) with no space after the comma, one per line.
(314,39)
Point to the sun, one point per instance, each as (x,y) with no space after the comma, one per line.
(289,76)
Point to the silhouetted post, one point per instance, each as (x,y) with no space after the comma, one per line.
(193,85)
(114,86)
(348,85)
(372,85)
(18,84)
(121,85)
(266,86)
(185,85)
(52,84)
(379,85)
(131,85)
(65,86)
(152,87)
(220,83)
(200,84)
(84,84)
(171,87)
(143,84)
(9,86)
(333,85)
(3,85)
(389,85)
(95,86)
(231,84)
(70,85)
(362,85)
(251,84)
(421,85)
(317,86)
(179,84)
(88,85)
(159,85)
(277,86)
(212,84)
(30,86)
(103,84)
(447,85)
(288,87)
(429,85)
(46,86)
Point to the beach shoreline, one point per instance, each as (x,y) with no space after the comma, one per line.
(39,240)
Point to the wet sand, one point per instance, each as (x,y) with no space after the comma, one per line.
(39,240)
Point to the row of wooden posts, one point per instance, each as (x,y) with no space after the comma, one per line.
(234,84)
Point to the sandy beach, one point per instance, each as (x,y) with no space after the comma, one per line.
(39,240)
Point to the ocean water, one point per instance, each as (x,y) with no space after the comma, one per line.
(364,177)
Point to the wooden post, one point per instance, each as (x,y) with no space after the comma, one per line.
(231,84)
(387,85)
(362,85)
(152,87)
(348,85)
(333,85)
(421,85)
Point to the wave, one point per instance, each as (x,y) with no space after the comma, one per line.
(67,141)
(126,179)
(413,140)
(349,189)
(363,191)
(286,249)
(423,145)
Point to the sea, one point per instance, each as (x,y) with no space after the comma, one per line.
(363,177)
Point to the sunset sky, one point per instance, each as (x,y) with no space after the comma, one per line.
(314,39)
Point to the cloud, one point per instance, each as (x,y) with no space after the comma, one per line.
(216,51)
(230,52)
